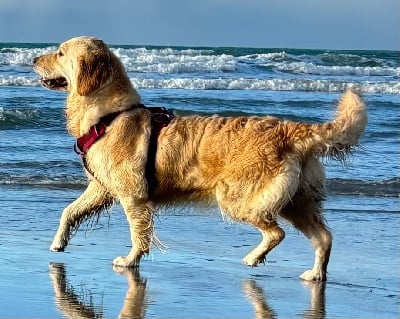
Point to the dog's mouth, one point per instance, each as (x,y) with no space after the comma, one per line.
(59,83)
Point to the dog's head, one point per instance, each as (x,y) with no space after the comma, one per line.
(80,65)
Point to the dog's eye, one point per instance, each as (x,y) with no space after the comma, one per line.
(60,53)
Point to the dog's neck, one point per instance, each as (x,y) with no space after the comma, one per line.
(85,111)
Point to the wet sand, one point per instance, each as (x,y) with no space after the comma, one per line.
(200,274)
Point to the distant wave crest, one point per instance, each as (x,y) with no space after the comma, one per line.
(72,182)
(337,186)
(22,56)
(277,84)
(386,188)
(266,84)
(310,68)
(27,117)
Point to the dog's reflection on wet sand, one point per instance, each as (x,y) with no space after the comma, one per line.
(136,300)
(255,294)
(80,305)
(317,299)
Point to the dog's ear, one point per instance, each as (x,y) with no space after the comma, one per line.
(94,69)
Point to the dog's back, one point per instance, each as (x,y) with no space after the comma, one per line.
(250,151)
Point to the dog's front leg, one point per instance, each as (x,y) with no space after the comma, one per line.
(92,201)
(140,217)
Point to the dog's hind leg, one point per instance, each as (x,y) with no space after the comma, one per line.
(305,214)
(91,202)
(140,217)
(272,235)
(259,202)
(258,205)
(321,239)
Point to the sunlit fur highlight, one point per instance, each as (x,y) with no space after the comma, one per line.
(256,168)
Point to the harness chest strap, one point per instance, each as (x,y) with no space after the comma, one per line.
(96,131)
(160,117)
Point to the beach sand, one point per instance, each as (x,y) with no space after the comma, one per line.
(200,274)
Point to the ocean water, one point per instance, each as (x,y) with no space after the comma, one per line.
(40,174)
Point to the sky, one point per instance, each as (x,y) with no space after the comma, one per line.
(303,24)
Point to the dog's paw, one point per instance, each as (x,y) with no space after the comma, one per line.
(253,261)
(312,275)
(125,262)
(55,246)
(60,241)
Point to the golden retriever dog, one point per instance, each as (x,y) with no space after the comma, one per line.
(256,168)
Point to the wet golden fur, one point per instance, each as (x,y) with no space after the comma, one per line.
(256,168)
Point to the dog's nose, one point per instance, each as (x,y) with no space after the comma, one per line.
(35,59)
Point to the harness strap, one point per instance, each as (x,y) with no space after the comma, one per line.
(160,118)
(96,131)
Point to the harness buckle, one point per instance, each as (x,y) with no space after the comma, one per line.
(78,150)
(161,115)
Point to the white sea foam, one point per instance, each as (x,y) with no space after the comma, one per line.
(264,57)
(276,84)
(209,69)
(174,61)
(310,68)
(22,56)
(12,80)
(169,61)
(265,84)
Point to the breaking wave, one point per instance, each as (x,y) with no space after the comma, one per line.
(276,84)
(231,68)
(30,117)
(266,84)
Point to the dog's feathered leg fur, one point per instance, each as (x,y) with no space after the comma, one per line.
(140,217)
(261,206)
(92,201)
(272,236)
(305,213)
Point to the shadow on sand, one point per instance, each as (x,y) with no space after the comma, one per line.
(80,305)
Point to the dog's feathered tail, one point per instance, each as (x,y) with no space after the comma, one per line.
(336,138)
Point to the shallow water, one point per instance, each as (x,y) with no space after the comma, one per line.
(200,274)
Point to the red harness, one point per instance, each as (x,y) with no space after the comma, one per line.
(96,131)
(160,118)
